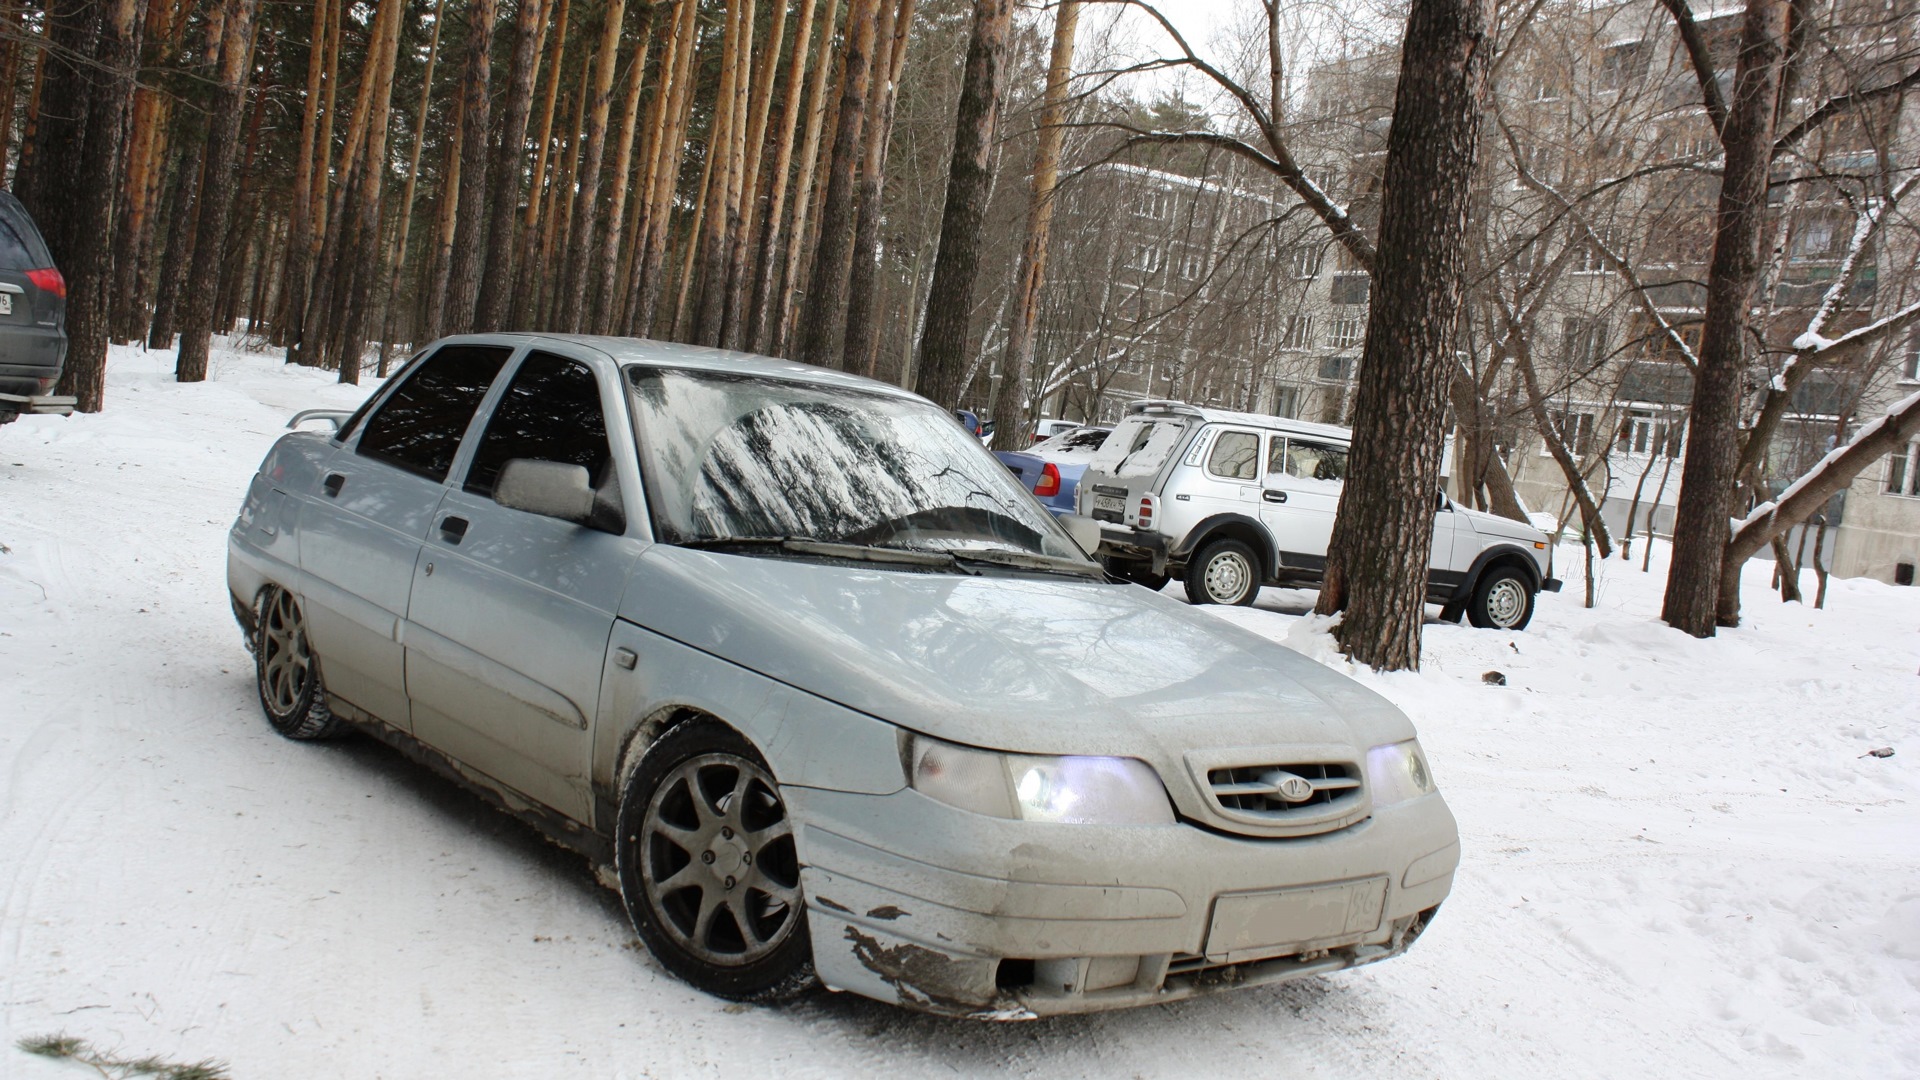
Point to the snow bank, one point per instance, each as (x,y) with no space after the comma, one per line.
(1676,862)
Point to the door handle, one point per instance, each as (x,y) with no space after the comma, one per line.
(333,484)
(1274,496)
(453,529)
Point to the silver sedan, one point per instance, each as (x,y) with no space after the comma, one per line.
(824,693)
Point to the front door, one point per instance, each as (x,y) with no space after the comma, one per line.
(361,531)
(1300,496)
(511,611)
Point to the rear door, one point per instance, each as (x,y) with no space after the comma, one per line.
(1301,494)
(363,523)
(508,625)
(1129,463)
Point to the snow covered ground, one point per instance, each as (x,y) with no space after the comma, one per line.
(1677,862)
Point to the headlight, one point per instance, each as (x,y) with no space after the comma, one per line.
(1398,772)
(1091,790)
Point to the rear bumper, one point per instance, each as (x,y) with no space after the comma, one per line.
(38,404)
(999,919)
(1551,584)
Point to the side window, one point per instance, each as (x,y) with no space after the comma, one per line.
(1306,459)
(1235,454)
(14,252)
(420,425)
(550,412)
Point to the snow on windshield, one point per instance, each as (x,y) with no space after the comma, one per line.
(729,456)
(1138,446)
(1080,441)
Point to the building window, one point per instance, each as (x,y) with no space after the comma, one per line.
(1306,261)
(1647,432)
(1346,332)
(1350,288)
(1153,204)
(1910,360)
(1902,465)
(1574,429)
(1624,64)
(1336,368)
(1147,258)
(1286,401)
(1588,257)
(1299,332)
(1583,342)
(1191,264)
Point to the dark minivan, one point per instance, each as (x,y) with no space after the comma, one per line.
(33,317)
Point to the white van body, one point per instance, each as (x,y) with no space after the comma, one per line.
(1230,501)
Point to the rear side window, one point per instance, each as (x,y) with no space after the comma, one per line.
(14,252)
(1308,459)
(1236,455)
(419,426)
(550,412)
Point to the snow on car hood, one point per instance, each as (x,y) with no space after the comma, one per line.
(1048,665)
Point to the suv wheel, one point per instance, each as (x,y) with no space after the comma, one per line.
(286,671)
(708,867)
(1502,600)
(1225,572)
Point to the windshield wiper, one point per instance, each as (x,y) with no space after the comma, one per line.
(1024,560)
(823,549)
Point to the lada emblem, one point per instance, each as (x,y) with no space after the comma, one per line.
(1294,789)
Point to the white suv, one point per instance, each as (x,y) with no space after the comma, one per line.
(1231,501)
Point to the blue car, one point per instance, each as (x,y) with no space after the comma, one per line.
(1051,469)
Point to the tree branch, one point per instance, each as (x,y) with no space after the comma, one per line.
(1834,106)
(1702,60)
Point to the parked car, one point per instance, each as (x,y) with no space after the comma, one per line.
(1230,501)
(981,429)
(1051,469)
(1046,429)
(822,691)
(33,318)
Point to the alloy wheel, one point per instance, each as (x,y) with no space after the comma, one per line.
(286,663)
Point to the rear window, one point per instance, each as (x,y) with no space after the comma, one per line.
(1139,446)
(1077,441)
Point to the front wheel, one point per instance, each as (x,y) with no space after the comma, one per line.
(1226,572)
(708,867)
(1502,600)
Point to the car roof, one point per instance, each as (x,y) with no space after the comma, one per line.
(644,352)
(1228,416)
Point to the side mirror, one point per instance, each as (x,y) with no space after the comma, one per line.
(1084,530)
(549,488)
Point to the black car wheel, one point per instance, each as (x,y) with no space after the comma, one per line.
(708,867)
(1502,600)
(1226,572)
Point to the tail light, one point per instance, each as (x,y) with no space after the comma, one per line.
(1146,511)
(49,280)
(1049,483)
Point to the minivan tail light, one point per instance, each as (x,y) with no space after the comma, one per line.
(1049,483)
(49,280)
(1146,511)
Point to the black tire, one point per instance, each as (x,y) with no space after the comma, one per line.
(1139,573)
(286,672)
(1502,600)
(673,827)
(1225,572)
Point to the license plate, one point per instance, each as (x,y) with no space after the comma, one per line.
(1250,925)
(6,303)
(1109,502)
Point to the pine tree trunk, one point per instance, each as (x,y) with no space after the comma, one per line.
(503,183)
(574,301)
(1694,601)
(711,264)
(183,213)
(1383,533)
(667,143)
(940,372)
(13,33)
(523,307)
(782,305)
(216,191)
(89,264)
(1016,367)
(771,211)
(364,258)
(397,250)
(824,312)
(463,280)
(605,263)
(59,136)
(741,228)
(553,245)
(863,329)
(434,320)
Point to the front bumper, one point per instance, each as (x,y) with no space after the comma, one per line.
(1011,920)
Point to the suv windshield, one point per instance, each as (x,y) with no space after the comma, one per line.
(732,457)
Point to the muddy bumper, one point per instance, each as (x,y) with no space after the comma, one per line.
(1011,920)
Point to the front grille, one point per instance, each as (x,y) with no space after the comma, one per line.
(1258,790)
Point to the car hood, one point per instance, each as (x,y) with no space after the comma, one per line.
(1027,663)
(1493,525)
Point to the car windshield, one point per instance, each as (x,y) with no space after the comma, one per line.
(732,457)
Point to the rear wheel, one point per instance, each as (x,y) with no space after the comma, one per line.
(286,671)
(1225,572)
(1502,600)
(708,867)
